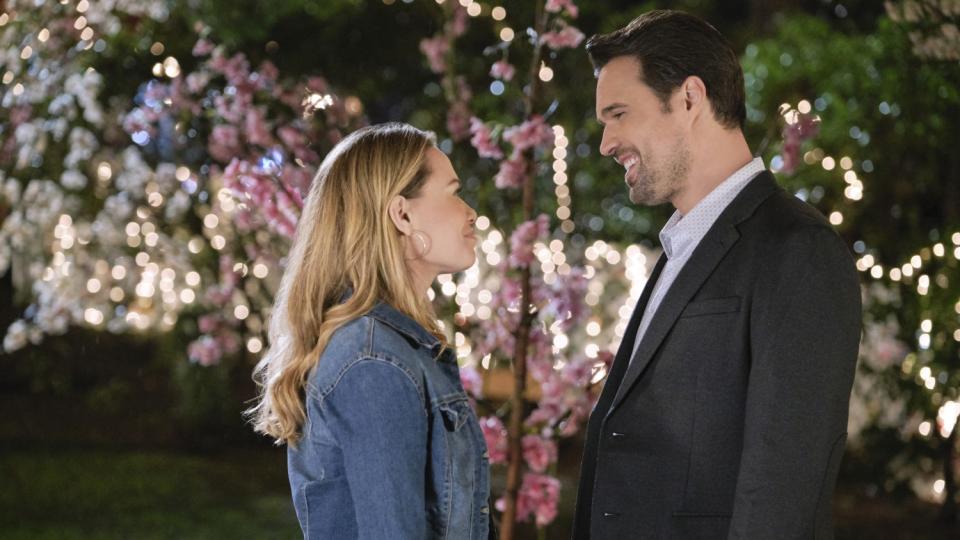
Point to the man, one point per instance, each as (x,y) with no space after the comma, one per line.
(725,411)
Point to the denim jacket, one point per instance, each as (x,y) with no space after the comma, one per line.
(391,448)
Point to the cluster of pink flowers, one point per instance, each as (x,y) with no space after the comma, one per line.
(502,70)
(538,497)
(566,393)
(261,148)
(539,452)
(435,49)
(482,140)
(459,115)
(566,37)
(257,184)
(511,173)
(532,133)
(556,6)
(472,381)
(523,239)
(495,435)
(806,126)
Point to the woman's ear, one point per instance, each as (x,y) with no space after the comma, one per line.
(398,210)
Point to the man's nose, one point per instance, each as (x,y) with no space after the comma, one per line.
(608,145)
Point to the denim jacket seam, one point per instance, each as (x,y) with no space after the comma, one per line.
(448,399)
(381,358)
(306,510)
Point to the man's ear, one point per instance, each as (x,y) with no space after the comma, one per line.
(694,94)
(398,210)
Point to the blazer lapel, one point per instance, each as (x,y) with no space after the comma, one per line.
(622,359)
(711,250)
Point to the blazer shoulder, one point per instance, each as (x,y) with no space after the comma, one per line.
(786,229)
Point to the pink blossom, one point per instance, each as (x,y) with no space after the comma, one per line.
(203,47)
(279,208)
(435,49)
(562,301)
(482,140)
(495,435)
(532,132)
(577,373)
(523,237)
(236,69)
(292,137)
(218,294)
(472,381)
(554,6)
(256,128)
(512,173)
(538,497)
(228,341)
(197,81)
(570,36)
(268,73)
(207,324)
(205,351)
(224,143)
(458,120)
(539,452)
(502,70)
(458,24)
(805,127)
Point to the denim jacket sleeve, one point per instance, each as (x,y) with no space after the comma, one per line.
(377,415)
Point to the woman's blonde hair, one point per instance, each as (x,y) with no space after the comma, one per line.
(345,240)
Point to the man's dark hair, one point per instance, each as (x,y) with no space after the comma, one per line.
(671,46)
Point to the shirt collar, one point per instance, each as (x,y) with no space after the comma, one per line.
(682,233)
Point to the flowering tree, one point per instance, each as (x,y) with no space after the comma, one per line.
(192,204)
(539,308)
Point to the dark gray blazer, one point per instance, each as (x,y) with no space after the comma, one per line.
(731,419)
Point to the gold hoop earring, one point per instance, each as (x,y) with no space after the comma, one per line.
(424,240)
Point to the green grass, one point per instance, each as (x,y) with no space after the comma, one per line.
(150,495)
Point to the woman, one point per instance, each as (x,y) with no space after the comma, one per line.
(360,382)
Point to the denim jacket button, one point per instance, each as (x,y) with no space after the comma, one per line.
(486,454)
(485,510)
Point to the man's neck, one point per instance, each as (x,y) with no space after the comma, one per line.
(715,161)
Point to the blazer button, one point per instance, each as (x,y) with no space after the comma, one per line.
(617,435)
(485,510)
(610,515)
(486,454)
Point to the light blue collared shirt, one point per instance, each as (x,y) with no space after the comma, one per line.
(682,234)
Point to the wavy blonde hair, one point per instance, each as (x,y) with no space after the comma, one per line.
(345,240)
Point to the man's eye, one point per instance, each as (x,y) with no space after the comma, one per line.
(617,116)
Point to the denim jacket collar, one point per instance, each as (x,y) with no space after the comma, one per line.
(392,317)
(389,315)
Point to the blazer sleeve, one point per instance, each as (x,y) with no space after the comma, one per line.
(804,337)
(377,415)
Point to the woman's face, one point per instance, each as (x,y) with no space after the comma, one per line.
(442,239)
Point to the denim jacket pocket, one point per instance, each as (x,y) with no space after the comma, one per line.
(455,414)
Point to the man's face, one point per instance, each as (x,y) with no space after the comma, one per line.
(647,140)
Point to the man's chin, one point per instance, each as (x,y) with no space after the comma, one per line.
(644,198)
